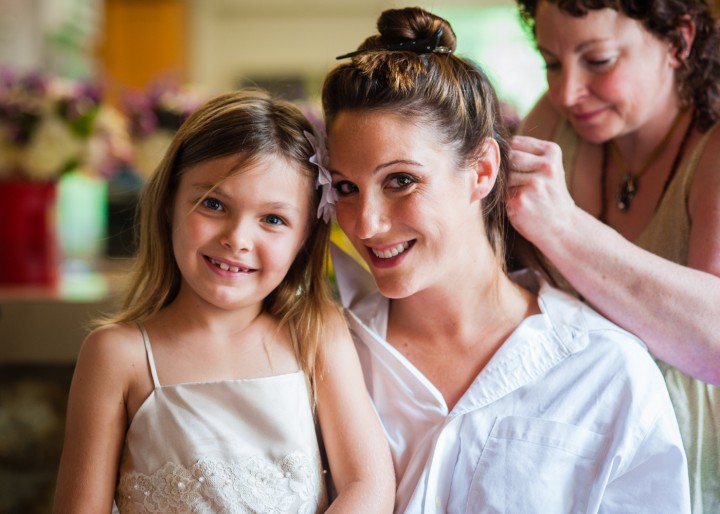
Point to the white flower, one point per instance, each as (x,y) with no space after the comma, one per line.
(52,147)
(110,142)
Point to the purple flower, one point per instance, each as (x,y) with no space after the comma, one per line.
(326,207)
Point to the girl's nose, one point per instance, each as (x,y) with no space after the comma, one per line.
(238,236)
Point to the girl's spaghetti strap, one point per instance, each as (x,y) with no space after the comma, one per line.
(150,358)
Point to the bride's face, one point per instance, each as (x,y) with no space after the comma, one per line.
(404,203)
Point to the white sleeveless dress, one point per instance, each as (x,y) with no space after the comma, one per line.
(233,446)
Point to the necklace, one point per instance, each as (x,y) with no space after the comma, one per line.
(629,183)
(623,206)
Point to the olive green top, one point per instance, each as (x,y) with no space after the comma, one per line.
(697,404)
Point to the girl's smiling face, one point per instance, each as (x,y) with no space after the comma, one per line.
(403,202)
(237,232)
(606,73)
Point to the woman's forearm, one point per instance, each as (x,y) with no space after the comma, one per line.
(674,309)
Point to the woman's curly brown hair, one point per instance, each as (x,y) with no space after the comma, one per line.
(699,79)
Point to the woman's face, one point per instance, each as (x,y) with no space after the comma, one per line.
(403,203)
(606,73)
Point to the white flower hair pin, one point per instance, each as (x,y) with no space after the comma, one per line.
(326,208)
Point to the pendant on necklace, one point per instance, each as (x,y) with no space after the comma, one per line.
(626,192)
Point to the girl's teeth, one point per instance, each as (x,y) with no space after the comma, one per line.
(391,252)
(226,267)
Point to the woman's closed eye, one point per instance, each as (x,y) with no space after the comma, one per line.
(551,67)
(599,62)
(596,63)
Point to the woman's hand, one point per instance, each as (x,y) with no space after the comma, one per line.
(539,203)
(632,287)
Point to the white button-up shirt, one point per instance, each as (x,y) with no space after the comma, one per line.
(571,415)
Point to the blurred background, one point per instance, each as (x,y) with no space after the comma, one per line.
(91,92)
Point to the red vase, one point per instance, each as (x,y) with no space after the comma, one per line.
(28,241)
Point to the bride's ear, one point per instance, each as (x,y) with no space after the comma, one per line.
(484,166)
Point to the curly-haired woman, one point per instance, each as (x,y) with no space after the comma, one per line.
(623,202)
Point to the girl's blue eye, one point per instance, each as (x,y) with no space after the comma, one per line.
(213,204)
(274,220)
(345,188)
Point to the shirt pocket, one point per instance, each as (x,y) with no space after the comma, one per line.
(534,465)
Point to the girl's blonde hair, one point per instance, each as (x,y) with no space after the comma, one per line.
(253,125)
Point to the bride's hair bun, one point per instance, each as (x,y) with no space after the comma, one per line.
(409,24)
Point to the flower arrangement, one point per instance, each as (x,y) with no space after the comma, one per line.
(154,115)
(50,125)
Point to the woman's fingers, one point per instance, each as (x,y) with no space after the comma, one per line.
(529,144)
(528,155)
(538,194)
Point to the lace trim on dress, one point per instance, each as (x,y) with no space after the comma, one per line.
(254,485)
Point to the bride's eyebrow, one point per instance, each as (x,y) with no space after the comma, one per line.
(408,162)
(381,167)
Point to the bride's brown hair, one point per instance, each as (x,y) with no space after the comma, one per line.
(436,87)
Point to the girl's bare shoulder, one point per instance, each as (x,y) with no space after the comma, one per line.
(113,338)
(116,349)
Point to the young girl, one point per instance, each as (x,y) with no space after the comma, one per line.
(191,399)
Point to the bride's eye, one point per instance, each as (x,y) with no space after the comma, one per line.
(345,188)
(400,181)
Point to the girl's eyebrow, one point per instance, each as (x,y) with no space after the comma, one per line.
(282,206)
(209,187)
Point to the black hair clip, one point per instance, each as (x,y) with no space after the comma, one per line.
(423,46)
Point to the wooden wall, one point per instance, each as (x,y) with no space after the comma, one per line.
(142,39)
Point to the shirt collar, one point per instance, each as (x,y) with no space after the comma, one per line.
(538,344)
(359,294)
